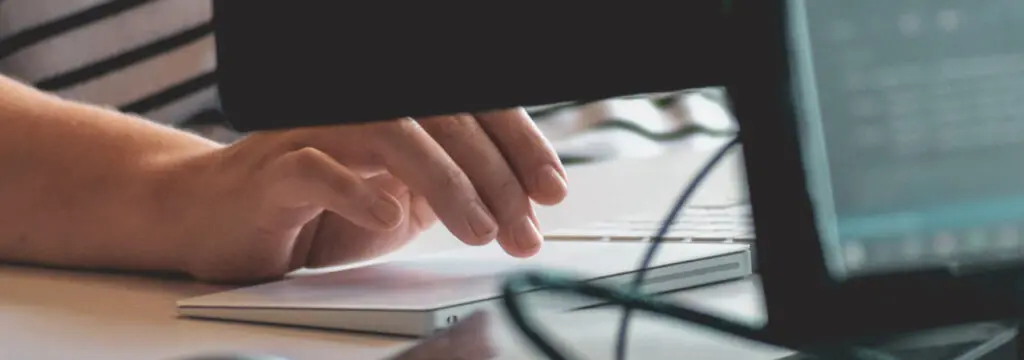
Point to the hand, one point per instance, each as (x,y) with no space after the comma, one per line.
(313,197)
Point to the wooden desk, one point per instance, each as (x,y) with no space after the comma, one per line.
(51,314)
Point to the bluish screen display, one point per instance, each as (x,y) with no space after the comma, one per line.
(912,126)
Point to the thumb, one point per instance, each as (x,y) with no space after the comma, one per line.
(309,177)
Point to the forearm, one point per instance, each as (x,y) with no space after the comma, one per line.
(80,186)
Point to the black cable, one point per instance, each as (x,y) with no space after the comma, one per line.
(632,299)
(661,100)
(621,341)
(676,134)
(532,280)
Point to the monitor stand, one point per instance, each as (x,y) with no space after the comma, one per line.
(986,341)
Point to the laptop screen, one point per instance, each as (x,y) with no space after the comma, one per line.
(912,128)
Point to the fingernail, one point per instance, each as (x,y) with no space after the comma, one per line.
(526,235)
(550,181)
(387,212)
(481,222)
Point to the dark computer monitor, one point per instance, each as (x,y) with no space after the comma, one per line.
(296,63)
(883,141)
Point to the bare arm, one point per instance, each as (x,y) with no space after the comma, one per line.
(77,181)
(87,187)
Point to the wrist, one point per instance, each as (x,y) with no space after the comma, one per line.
(159,184)
(184,193)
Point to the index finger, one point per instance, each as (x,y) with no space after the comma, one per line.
(531,156)
(414,157)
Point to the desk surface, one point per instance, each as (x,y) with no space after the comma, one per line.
(53,314)
(590,334)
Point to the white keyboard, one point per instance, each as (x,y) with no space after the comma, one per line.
(725,224)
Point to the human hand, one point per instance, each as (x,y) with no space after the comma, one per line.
(313,197)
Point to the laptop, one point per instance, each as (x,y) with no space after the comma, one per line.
(421,295)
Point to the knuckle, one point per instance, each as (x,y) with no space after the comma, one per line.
(510,126)
(510,199)
(396,127)
(305,161)
(313,165)
(454,180)
(509,187)
(307,155)
(452,127)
